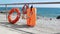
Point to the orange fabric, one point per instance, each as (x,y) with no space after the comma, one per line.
(31,20)
(17,18)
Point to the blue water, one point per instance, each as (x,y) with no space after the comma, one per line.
(47,12)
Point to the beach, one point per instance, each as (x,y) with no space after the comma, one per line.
(43,26)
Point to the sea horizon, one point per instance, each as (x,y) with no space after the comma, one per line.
(41,11)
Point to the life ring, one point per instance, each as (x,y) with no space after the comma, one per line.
(25,7)
(17,18)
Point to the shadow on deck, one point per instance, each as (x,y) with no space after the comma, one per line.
(15,26)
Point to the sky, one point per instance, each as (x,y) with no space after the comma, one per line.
(22,1)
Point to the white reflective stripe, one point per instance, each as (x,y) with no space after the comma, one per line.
(18,15)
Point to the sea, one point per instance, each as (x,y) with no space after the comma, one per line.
(45,12)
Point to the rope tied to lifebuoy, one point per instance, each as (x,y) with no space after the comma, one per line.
(25,7)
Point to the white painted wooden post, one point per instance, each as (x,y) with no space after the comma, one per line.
(6,11)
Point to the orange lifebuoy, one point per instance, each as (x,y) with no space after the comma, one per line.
(17,18)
